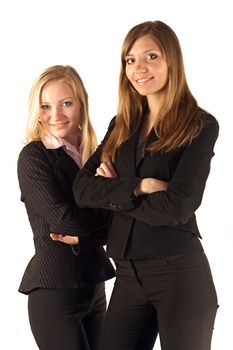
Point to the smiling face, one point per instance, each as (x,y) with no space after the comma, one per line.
(60,111)
(146,67)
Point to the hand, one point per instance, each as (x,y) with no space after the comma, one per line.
(72,240)
(106,170)
(150,185)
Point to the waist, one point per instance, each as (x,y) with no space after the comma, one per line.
(155,241)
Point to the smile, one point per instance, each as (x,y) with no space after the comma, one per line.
(59,125)
(142,81)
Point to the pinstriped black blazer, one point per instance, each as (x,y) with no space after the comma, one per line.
(45,180)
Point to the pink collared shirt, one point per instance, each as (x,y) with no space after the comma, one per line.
(52,142)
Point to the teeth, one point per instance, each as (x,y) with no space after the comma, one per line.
(57,124)
(142,80)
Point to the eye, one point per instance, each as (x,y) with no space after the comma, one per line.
(151,56)
(44,106)
(129,60)
(67,103)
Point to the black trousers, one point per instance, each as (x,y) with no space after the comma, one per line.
(67,319)
(174,297)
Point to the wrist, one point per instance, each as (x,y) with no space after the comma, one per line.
(138,189)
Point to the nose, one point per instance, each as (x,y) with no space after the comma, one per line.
(56,112)
(140,67)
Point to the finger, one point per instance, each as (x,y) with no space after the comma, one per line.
(100,172)
(108,170)
(55,236)
(105,169)
(111,168)
(69,239)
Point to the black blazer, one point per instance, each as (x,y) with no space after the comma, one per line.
(162,223)
(45,179)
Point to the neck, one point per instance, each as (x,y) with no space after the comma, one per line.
(74,141)
(154,104)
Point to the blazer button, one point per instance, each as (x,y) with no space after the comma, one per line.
(112,206)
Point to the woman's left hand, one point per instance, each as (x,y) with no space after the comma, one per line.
(71,240)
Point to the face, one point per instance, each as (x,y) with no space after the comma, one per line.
(60,111)
(146,68)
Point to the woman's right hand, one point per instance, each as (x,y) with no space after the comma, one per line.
(106,170)
(71,240)
(150,185)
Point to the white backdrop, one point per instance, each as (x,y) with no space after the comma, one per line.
(88,35)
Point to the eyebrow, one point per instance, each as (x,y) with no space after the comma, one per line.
(146,51)
(66,98)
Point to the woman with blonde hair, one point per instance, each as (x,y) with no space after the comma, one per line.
(64,283)
(150,172)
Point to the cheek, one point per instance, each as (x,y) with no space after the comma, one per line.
(164,72)
(165,78)
(44,120)
(128,73)
(132,83)
(76,117)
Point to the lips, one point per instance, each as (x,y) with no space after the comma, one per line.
(59,125)
(142,81)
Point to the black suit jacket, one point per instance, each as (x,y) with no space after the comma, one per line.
(162,223)
(45,179)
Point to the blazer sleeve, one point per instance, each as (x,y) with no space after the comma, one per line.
(171,207)
(186,188)
(42,195)
(92,191)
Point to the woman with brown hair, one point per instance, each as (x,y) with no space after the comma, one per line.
(150,171)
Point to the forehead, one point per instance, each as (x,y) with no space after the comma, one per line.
(56,87)
(143,44)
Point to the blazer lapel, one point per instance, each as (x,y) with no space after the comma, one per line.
(126,157)
(151,138)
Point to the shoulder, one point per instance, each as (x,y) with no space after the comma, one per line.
(111,125)
(31,154)
(109,130)
(32,147)
(208,120)
(208,130)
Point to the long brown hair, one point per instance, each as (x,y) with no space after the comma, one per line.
(178,121)
(69,75)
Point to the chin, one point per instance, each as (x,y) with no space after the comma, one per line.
(143,92)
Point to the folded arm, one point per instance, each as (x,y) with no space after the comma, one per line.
(171,204)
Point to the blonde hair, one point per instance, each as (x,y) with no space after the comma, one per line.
(70,76)
(178,121)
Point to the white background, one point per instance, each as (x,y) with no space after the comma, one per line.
(88,35)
